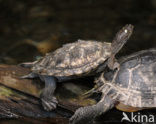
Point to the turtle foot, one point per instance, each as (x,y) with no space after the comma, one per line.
(82,116)
(49,104)
(75,118)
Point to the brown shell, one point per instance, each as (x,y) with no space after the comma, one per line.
(135,83)
(73,59)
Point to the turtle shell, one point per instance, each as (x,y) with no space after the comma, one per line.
(76,58)
(135,83)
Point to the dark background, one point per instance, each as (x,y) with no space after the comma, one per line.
(62,21)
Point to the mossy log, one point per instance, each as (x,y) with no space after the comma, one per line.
(19,98)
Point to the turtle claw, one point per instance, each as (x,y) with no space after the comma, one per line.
(49,105)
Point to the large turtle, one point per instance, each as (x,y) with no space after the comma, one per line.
(75,60)
(131,88)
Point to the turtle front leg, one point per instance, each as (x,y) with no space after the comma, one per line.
(87,115)
(49,101)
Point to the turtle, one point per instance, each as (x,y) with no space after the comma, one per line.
(74,60)
(130,88)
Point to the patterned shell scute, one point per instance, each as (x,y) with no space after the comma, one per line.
(135,83)
(141,84)
(73,59)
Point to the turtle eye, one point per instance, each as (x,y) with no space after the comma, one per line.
(125,33)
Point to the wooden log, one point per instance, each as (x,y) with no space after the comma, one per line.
(20,97)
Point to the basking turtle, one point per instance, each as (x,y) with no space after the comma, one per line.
(75,60)
(131,88)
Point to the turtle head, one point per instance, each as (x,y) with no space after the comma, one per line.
(124,34)
(121,38)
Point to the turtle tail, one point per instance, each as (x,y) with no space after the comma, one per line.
(27,64)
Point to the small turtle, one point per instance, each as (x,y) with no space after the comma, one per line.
(74,60)
(131,88)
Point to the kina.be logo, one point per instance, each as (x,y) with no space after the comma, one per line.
(137,117)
